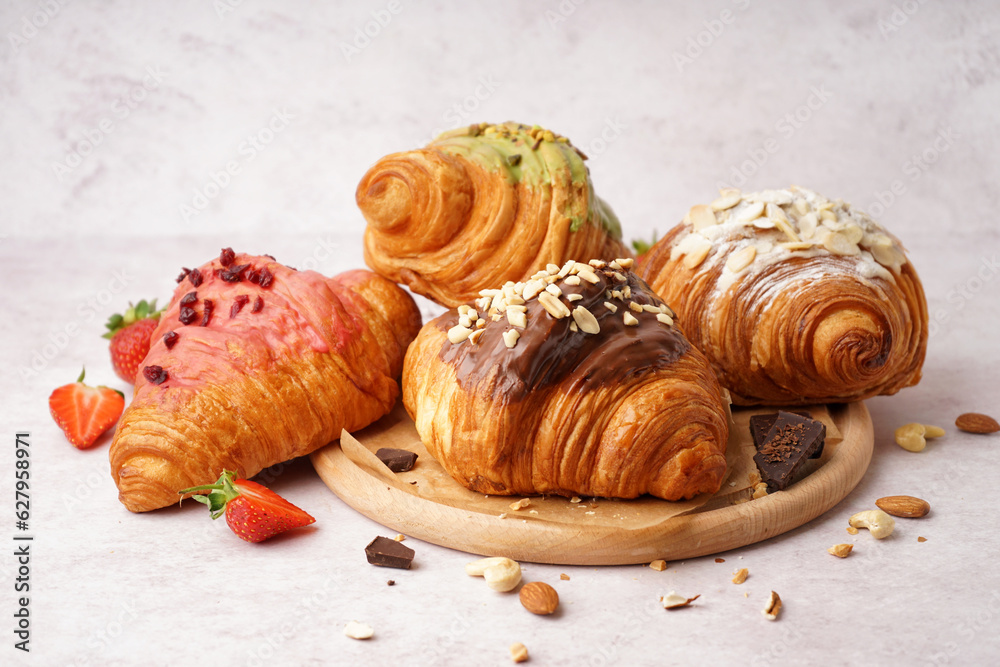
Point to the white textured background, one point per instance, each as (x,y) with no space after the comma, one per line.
(114,116)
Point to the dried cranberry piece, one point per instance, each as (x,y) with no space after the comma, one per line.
(238,304)
(195,277)
(252,277)
(264,277)
(258,305)
(155,374)
(170,339)
(227,256)
(189,298)
(207,307)
(187,315)
(184,274)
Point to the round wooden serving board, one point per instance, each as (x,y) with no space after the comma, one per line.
(427,504)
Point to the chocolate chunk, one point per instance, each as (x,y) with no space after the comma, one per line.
(761,424)
(389,553)
(790,441)
(397,460)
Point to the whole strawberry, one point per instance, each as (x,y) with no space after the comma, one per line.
(83,412)
(130,336)
(254,512)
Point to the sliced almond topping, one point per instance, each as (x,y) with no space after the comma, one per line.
(828,215)
(763,223)
(785,227)
(801,206)
(792,246)
(741,259)
(696,257)
(854,233)
(510,337)
(751,212)
(586,320)
(727,200)
(808,224)
(887,256)
(458,334)
(701,217)
(553,306)
(630,320)
(610,306)
(839,244)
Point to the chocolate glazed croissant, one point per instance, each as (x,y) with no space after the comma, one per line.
(794,298)
(576,382)
(480,206)
(254,363)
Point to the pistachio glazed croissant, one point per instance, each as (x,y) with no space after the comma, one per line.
(575,382)
(254,363)
(794,298)
(480,206)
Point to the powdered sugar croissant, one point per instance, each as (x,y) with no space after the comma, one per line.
(794,298)
(254,363)
(480,206)
(575,382)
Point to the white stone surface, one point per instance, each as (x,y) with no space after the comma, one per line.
(172,587)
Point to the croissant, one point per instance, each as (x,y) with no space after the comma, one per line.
(795,299)
(576,382)
(254,363)
(480,206)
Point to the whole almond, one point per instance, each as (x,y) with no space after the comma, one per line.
(539,598)
(973,422)
(904,506)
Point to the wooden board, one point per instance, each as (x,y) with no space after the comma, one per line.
(426,503)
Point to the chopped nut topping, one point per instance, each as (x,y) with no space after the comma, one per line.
(586,320)
(633,306)
(520,504)
(666,319)
(553,306)
(630,320)
(572,280)
(658,565)
(458,333)
(510,337)
(574,297)
(610,306)
(739,576)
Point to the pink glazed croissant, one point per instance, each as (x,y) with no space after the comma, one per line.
(254,363)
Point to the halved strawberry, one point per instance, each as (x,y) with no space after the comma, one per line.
(253,512)
(84,413)
(130,336)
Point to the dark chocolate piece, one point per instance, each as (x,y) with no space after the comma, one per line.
(790,442)
(761,424)
(397,460)
(389,553)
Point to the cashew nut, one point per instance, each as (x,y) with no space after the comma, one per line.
(878,523)
(501,574)
(912,437)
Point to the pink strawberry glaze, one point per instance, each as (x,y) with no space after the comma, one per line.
(304,313)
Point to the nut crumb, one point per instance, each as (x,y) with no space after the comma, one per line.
(773,607)
(575,499)
(520,504)
(518,652)
(399,537)
(852,530)
(921,539)
(356,630)
(391,582)
(658,565)
(720,560)
(841,550)
(740,575)
(675,601)
(564,576)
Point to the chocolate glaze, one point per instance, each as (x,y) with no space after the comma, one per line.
(549,353)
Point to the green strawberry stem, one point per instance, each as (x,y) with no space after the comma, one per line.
(139,311)
(219,494)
